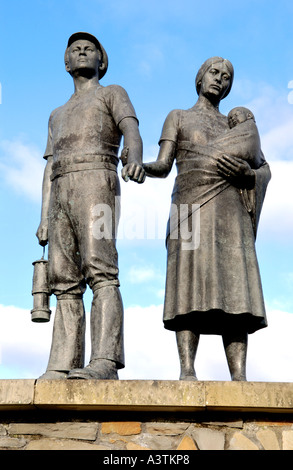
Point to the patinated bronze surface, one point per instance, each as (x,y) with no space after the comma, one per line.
(80,183)
(213,283)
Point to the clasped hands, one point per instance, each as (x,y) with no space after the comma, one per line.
(133,171)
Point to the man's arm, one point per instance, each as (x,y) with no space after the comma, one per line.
(42,232)
(133,169)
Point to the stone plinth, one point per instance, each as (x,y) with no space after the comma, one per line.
(145,415)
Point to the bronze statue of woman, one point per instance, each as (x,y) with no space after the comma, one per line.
(215,287)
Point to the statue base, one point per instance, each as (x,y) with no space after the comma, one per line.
(145,415)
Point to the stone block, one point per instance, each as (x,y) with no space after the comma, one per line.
(133,446)
(147,395)
(3,431)
(187,443)
(136,395)
(12,443)
(121,428)
(154,442)
(287,439)
(240,442)
(16,394)
(167,429)
(208,439)
(63,444)
(268,439)
(83,431)
(249,396)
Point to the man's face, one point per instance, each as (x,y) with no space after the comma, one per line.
(83,55)
(216,81)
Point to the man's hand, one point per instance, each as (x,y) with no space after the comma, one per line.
(42,233)
(237,171)
(134,172)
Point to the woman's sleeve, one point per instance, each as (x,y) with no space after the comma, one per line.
(257,194)
(170,127)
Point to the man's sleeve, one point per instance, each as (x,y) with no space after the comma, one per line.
(49,147)
(121,106)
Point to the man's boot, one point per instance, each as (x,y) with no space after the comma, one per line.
(68,342)
(106,337)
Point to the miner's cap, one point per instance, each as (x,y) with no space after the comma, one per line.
(89,37)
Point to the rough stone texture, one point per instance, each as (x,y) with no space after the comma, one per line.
(83,431)
(259,416)
(208,439)
(133,446)
(287,440)
(230,424)
(193,435)
(151,441)
(166,429)
(187,443)
(58,444)
(241,442)
(3,431)
(11,443)
(268,439)
(124,429)
(113,394)
(256,396)
(16,394)
(164,395)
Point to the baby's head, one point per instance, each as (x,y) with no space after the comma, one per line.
(239,115)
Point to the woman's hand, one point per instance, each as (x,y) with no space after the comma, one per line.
(237,171)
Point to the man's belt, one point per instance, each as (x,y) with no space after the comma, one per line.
(99,162)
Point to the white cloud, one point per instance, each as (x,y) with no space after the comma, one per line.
(277,143)
(274,116)
(24,345)
(275,119)
(151,352)
(145,209)
(139,274)
(270,105)
(277,214)
(270,350)
(22,167)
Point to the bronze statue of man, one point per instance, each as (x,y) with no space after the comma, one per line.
(214,286)
(80,179)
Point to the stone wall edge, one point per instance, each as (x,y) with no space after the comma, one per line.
(147,395)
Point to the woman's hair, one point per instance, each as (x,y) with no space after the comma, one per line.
(210,63)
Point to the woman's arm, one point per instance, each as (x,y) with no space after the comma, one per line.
(162,167)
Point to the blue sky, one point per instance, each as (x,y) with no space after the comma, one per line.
(155,50)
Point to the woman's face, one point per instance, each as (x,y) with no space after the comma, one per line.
(215,82)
